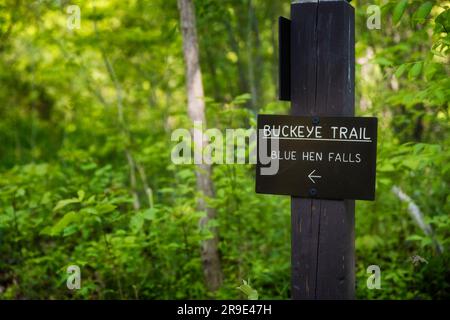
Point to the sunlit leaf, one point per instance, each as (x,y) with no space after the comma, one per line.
(423,11)
(105,208)
(415,70)
(251,293)
(399,10)
(401,70)
(62,203)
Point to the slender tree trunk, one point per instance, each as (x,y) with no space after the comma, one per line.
(196,110)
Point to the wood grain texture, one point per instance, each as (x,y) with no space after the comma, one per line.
(322,83)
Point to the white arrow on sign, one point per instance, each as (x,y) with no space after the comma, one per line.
(311,176)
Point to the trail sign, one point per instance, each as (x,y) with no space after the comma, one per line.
(317,157)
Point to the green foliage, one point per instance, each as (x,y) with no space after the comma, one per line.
(424,10)
(251,293)
(399,10)
(81,185)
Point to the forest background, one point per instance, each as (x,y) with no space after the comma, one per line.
(86,178)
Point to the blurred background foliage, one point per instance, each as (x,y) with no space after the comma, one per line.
(77,105)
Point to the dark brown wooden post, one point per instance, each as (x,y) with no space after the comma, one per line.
(322,84)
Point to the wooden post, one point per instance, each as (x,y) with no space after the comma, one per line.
(322,84)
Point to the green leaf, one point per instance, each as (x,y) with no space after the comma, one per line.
(415,70)
(149,214)
(243,98)
(414,237)
(105,208)
(443,22)
(399,10)
(401,70)
(382,61)
(136,223)
(20,192)
(423,11)
(90,200)
(67,219)
(251,293)
(69,230)
(412,163)
(62,203)
(386,167)
(80,194)
(89,166)
(385,8)
(46,198)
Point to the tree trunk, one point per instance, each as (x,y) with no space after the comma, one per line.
(196,111)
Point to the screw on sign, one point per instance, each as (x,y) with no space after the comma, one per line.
(326,157)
